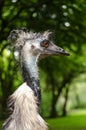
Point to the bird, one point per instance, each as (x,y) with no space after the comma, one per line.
(24,103)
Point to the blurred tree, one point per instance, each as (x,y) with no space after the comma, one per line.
(67,18)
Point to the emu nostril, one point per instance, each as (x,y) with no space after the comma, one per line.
(63,50)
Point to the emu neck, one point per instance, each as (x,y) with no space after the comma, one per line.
(30,74)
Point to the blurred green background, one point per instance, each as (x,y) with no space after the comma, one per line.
(62,79)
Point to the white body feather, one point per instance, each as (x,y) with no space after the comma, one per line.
(25,115)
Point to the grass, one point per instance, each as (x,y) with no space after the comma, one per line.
(77,122)
(68,123)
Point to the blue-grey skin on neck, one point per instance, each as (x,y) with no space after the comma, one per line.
(32,82)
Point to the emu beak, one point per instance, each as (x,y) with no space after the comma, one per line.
(56,50)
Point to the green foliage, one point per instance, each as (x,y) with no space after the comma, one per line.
(1,124)
(67,19)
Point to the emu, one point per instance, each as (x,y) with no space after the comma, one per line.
(24,103)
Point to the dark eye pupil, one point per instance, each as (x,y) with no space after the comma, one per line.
(46,43)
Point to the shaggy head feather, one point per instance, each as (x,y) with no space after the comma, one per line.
(18,37)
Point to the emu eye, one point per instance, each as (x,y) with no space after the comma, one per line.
(45,43)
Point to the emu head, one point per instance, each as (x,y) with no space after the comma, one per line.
(36,44)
